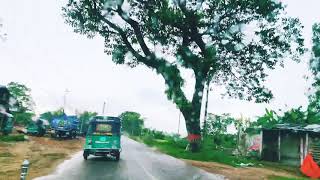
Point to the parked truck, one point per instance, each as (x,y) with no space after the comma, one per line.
(6,119)
(65,126)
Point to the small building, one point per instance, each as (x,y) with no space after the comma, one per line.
(289,144)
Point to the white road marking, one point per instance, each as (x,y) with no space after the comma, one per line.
(146,171)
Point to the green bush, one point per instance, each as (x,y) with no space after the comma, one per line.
(148,139)
(12,138)
(158,135)
(181,143)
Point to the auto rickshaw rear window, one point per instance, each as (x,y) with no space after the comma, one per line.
(103,128)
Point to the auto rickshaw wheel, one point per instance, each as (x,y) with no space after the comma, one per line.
(85,155)
(117,156)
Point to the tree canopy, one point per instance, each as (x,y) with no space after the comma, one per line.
(132,122)
(315,68)
(84,118)
(24,103)
(216,125)
(22,95)
(50,115)
(229,42)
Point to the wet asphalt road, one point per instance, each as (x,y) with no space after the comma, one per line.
(137,162)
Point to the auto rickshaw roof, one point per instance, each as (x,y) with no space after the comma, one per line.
(105,119)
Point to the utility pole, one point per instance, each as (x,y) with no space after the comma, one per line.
(65,99)
(206,108)
(209,78)
(103,107)
(179,123)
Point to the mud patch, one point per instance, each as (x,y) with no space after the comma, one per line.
(232,173)
(43,153)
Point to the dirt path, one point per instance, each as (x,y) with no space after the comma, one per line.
(232,173)
(43,153)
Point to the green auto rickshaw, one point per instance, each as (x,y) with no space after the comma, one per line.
(38,127)
(103,137)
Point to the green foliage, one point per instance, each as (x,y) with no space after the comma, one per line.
(84,118)
(154,133)
(286,178)
(268,120)
(132,123)
(217,125)
(292,116)
(23,118)
(12,138)
(148,139)
(24,104)
(177,147)
(314,105)
(22,94)
(50,115)
(206,37)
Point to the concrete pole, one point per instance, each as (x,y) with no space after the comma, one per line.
(103,108)
(179,122)
(206,108)
(65,99)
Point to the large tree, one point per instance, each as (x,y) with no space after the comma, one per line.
(23,108)
(84,118)
(315,69)
(132,122)
(229,42)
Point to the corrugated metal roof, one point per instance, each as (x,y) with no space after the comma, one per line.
(297,127)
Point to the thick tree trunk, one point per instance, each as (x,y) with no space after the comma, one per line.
(192,116)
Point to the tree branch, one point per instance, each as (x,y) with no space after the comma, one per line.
(135,25)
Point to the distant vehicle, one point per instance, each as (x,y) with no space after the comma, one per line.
(103,137)
(65,126)
(6,119)
(38,127)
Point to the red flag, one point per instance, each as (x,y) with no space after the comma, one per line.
(310,168)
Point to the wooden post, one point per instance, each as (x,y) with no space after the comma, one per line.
(306,145)
(279,145)
(301,150)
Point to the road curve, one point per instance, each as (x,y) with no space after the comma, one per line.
(138,162)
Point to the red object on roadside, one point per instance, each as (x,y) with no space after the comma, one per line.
(310,168)
(194,137)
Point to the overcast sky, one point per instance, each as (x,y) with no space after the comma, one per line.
(44,53)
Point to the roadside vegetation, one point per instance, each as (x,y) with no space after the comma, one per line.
(217,145)
(13,138)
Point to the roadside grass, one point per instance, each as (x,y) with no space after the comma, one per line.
(6,154)
(12,138)
(177,148)
(54,156)
(285,178)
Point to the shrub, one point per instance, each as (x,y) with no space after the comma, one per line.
(181,143)
(148,139)
(12,138)
(158,135)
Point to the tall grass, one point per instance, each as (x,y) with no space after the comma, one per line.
(12,138)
